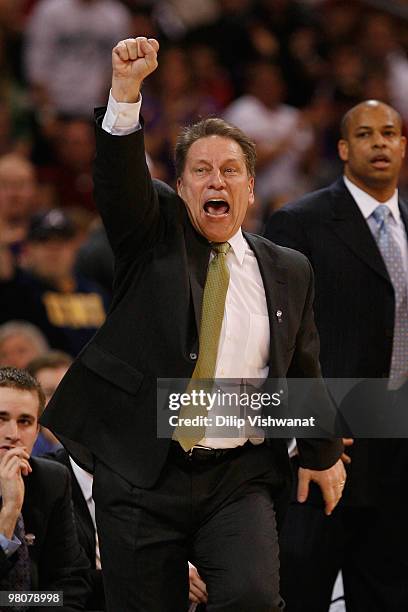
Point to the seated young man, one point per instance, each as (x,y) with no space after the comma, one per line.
(39,548)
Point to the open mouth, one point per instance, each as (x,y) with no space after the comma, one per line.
(380,161)
(216,208)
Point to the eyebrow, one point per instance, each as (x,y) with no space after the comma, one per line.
(370,127)
(227,161)
(4,413)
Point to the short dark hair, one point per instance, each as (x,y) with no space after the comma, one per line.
(213,126)
(50,359)
(14,378)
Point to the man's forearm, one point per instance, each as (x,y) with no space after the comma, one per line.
(8,520)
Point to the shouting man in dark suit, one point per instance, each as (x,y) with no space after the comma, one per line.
(39,548)
(160,502)
(355,235)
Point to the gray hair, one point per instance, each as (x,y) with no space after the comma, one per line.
(24,328)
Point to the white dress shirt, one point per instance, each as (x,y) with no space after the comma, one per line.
(243,351)
(85,481)
(367,205)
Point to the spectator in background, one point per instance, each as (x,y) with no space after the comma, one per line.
(381,47)
(69,170)
(48,369)
(39,548)
(20,343)
(16,115)
(211,78)
(283,138)
(46,290)
(229,35)
(95,259)
(71,39)
(18,198)
(172,101)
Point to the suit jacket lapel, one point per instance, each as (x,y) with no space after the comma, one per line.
(198,255)
(351,227)
(403,206)
(274,277)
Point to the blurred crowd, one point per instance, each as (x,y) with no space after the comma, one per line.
(282,70)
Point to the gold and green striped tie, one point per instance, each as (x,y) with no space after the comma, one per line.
(212,314)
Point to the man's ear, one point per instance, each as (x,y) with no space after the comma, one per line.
(403,146)
(343,149)
(251,196)
(179,187)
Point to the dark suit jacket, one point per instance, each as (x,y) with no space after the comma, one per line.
(86,532)
(354,310)
(57,560)
(106,404)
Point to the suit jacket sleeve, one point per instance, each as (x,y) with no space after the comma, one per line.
(124,192)
(284,229)
(314,453)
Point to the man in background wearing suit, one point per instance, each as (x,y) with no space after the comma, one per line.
(48,370)
(348,232)
(193,297)
(39,548)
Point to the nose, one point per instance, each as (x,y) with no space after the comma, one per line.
(11,432)
(217,180)
(379,140)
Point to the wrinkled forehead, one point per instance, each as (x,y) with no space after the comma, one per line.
(215,149)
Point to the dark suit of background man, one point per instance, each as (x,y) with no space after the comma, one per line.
(39,548)
(357,320)
(157,507)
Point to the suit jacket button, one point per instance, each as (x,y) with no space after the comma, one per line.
(193,356)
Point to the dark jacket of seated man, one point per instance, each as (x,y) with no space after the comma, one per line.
(86,531)
(39,547)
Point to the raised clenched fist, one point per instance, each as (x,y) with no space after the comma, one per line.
(133,60)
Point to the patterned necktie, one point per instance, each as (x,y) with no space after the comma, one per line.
(212,314)
(392,257)
(19,576)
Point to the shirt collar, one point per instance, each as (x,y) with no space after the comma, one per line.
(238,246)
(84,479)
(367,204)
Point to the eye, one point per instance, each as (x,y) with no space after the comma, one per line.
(200,170)
(25,422)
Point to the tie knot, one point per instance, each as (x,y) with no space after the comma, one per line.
(221,247)
(381,213)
